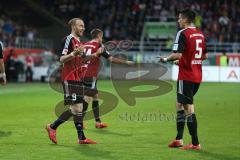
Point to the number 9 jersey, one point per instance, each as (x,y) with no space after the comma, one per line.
(191,43)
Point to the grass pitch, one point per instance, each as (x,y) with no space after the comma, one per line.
(132,132)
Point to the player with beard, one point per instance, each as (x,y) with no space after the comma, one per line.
(71,59)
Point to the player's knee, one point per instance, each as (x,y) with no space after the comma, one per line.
(95,97)
(189,108)
(76,109)
(87,99)
(179,106)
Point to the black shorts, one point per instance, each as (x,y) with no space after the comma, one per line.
(73,92)
(90,86)
(185,91)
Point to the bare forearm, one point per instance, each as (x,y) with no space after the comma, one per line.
(88,57)
(66,58)
(117,60)
(2,67)
(174,56)
(76,52)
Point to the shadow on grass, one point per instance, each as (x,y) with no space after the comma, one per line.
(95,151)
(5,133)
(215,155)
(89,150)
(105,131)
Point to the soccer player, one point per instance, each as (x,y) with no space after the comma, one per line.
(72,50)
(3,79)
(91,69)
(189,48)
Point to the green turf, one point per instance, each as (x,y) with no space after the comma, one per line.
(26,108)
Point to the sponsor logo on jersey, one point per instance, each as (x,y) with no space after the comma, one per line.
(196,61)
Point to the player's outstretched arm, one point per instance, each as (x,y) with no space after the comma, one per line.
(3,79)
(119,61)
(76,52)
(171,57)
(112,59)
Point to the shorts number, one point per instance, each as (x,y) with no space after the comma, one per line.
(74,97)
(198,49)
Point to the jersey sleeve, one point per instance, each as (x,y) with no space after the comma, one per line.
(66,45)
(1,50)
(180,43)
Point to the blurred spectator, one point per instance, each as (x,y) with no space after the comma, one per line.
(218,17)
(30,34)
(223,59)
(125,19)
(19,64)
(198,21)
(11,31)
(169,43)
(8,28)
(29,70)
(11,71)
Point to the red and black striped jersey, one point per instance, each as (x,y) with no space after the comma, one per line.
(70,69)
(191,43)
(1,50)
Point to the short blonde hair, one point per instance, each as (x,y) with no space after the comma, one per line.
(73,21)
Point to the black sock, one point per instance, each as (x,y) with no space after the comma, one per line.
(61,119)
(192,127)
(95,108)
(85,107)
(78,121)
(180,124)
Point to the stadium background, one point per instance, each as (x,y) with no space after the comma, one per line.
(31,32)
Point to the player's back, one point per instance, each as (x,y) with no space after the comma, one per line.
(190,64)
(91,47)
(71,67)
(91,68)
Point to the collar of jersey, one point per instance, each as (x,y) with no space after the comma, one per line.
(77,38)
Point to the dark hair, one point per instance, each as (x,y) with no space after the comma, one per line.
(95,32)
(189,14)
(73,21)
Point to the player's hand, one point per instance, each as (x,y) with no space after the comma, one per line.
(78,51)
(130,63)
(3,79)
(176,62)
(100,51)
(162,59)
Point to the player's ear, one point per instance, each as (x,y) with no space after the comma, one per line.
(74,28)
(99,36)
